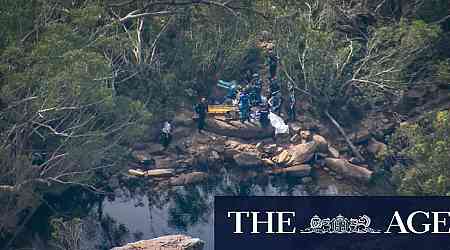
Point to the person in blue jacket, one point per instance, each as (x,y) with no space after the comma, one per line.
(257,87)
(244,106)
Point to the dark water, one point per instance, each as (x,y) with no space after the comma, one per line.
(136,209)
(189,210)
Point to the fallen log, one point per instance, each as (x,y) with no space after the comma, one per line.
(346,169)
(341,130)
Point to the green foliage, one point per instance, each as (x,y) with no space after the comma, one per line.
(66,234)
(428,144)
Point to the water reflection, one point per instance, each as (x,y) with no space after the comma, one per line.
(151,213)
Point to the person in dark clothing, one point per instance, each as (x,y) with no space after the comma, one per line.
(274,86)
(264,116)
(244,106)
(273,63)
(275,103)
(291,105)
(248,77)
(201,109)
(257,87)
(166,134)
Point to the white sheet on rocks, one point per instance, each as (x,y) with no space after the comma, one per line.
(278,123)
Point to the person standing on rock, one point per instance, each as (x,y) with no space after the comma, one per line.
(291,104)
(273,63)
(275,103)
(201,109)
(257,87)
(166,134)
(274,86)
(264,116)
(244,106)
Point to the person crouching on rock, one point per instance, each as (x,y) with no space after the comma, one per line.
(166,134)
(201,109)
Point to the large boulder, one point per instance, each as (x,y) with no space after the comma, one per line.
(238,130)
(376,148)
(170,242)
(349,170)
(301,153)
(247,159)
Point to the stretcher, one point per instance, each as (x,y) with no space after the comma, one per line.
(230,112)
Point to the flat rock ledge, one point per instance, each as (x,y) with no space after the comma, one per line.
(170,242)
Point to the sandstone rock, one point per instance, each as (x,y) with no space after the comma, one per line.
(171,242)
(283,157)
(297,171)
(301,153)
(346,169)
(238,130)
(152,173)
(321,143)
(360,136)
(375,147)
(189,178)
(246,159)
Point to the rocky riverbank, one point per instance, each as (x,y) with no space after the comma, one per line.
(307,153)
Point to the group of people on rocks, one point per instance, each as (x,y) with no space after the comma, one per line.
(249,99)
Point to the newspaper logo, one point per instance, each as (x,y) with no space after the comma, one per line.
(340,225)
